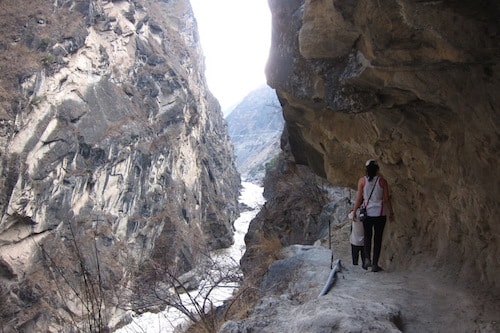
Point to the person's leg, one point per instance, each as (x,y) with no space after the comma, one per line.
(355,254)
(378,227)
(360,250)
(367,226)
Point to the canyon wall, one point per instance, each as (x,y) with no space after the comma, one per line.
(115,159)
(413,84)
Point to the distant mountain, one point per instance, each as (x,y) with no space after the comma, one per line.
(255,127)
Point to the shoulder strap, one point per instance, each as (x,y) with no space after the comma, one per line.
(373,188)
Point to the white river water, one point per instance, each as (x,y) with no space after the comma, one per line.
(167,320)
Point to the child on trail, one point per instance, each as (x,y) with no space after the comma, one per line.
(357,239)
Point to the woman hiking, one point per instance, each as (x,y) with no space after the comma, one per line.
(373,195)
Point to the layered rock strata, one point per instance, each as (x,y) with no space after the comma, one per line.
(413,84)
(115,158)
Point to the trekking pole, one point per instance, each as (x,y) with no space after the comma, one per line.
(333,269)
(330,242)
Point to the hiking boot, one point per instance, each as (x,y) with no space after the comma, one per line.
(376,268)
(367,263)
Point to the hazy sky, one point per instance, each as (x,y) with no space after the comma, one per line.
(235,37)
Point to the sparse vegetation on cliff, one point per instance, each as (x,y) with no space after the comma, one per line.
(106,125)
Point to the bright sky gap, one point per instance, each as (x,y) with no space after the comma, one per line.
(235,37)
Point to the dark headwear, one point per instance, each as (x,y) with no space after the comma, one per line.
(371,169)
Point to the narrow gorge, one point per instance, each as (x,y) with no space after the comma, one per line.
(117,170)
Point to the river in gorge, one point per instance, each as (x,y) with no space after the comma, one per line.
(167,320)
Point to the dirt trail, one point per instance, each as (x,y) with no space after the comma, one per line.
(428,302)
(420,300)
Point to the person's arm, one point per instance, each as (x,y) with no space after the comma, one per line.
(359,198)
(386,197)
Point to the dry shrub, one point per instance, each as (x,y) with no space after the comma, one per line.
(240,305)
(28,30)
(269,246)
(237,308)
(268,250)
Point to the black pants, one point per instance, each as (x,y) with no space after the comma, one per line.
(356,251)
(374,227)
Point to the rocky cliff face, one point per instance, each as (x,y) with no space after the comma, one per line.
(413,84)
(115,157)
(255,126)
(300,207)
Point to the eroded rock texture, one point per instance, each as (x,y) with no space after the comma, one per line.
(300,207)
(413,84)
(115,158)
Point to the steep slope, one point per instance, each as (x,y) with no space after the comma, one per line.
(413,84)
(115,159)
(255,126)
